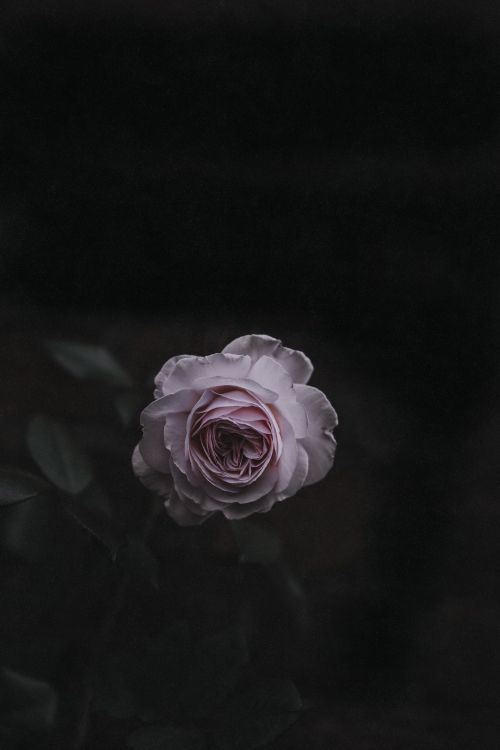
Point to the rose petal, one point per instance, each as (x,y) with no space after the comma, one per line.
(165,372)
(288,459)
(236,511)
(216,382)
(153,418)
(299,475)
(269,371)
(295,414)
(319,441)
(152,445)
(221,493)
(177,508)
(295,362)
(175,504)
(189,369)
(193,492)
(156,481)
(174,436)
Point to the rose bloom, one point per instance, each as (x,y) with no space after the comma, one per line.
(234,432)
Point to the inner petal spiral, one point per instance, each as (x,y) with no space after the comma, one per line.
(232,439)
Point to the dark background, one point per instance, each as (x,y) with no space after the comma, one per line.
(172,177)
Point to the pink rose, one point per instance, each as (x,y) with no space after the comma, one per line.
(234,432)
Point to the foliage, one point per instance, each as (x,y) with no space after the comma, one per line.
(93,362)
(167,659)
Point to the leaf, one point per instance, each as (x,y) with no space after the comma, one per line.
(166,737)
(17,485)
(96,523)
(95,498)
(257,716)
(28,704)
(216,668)
(87,361)
(257,544)
(58,455)
(32,530)
(128,404)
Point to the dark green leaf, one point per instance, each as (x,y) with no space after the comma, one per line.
(27,704)
(257,544)
(34,530)
(96,523)
(128,404)
(16,486)
(86,361)
(166,737)
(58,455)
(95,498)
(257,716)
(216,667)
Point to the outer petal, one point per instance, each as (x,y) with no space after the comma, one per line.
(271,374)
(175,504)
(319,441)
(194,495)
(296,363)
(288,458)
(152,445)
(165,372)
(189,369)
(300,474)
(154,480)
(251,386)
(153,417)
(295,414)
(236,511)
(177,407)
(177,509)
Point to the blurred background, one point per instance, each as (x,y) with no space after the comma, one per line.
(174,175)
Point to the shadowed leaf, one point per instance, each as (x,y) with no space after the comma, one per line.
(16,486)
(58,455)
(95,497)
(87,361)
(27,704)
(128,404)
(96,523)
(32,530)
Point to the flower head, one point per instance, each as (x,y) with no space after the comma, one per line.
(234,432)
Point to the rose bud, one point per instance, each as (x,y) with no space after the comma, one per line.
(234,432)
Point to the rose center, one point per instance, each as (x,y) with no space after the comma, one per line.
(232,439)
